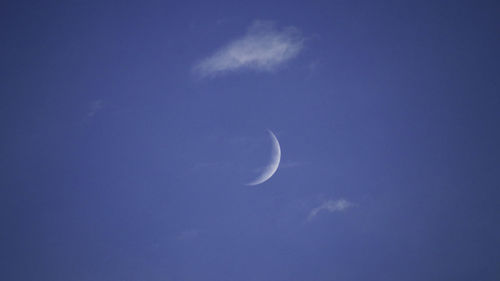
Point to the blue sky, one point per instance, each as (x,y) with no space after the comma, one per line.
(130,130)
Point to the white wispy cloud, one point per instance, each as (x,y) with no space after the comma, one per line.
(94,107)
(263,48)
(331,206)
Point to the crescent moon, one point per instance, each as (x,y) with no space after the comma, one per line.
(272,167)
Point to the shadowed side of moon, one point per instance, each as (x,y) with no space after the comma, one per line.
(273,164)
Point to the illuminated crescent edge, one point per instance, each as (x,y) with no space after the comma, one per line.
(272,167)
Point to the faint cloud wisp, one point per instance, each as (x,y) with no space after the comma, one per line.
(331,206)
(94,107)
(262,48)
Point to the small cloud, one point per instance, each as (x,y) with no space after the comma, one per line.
(262,48)
(94,107)
(331,206)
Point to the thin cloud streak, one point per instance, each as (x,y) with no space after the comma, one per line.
(331,206)
(94,107)
(263,48)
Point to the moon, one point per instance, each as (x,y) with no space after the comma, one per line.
(272,167)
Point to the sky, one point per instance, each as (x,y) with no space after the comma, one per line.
(131,129)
